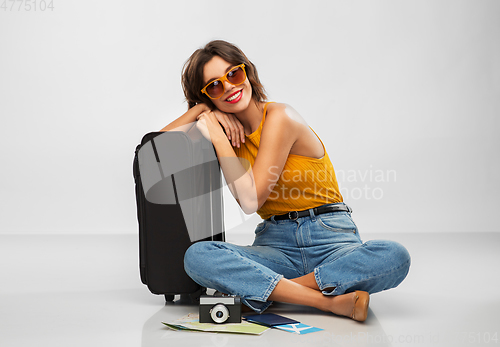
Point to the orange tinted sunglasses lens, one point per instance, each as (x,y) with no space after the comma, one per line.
(236,76)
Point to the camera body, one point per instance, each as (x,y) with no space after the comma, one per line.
(220,309)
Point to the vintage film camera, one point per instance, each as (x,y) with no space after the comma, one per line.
(220,309)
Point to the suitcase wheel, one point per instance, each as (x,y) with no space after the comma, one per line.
(169,298)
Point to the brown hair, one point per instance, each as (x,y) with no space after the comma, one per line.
(192,72)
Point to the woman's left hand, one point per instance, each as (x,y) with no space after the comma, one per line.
(209,123)
(232,126)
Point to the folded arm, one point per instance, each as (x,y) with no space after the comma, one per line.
(252,188)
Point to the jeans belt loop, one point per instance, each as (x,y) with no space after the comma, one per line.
(290,215)
(312,214)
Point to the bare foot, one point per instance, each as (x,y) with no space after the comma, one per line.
(353,305)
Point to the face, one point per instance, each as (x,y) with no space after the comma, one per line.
(235,98)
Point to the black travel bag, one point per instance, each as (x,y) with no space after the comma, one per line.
(178,187)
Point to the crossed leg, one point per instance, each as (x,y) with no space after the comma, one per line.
(305,291)
(307,281)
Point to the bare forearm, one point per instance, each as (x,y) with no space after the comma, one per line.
(240,179)
(187,118)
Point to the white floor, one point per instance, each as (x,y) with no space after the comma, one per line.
(85,290)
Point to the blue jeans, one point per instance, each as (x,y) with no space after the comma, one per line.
(328,245)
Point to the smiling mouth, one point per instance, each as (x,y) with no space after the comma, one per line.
(234,96)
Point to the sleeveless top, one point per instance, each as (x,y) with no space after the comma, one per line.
(304,182)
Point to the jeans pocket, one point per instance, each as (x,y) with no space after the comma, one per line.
(338,222)
(348,215)
(261,227)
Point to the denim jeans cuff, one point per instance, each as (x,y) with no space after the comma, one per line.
(257,306)
(337,289)
(260,304)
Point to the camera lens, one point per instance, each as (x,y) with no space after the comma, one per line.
(219,313)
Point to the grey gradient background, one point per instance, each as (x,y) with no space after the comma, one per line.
(404,94)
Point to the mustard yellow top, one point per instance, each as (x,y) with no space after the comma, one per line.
(304,183)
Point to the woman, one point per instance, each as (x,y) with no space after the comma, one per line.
(307,250)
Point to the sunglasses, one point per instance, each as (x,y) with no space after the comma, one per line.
(235,76)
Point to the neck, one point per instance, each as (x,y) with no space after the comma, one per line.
(251,117)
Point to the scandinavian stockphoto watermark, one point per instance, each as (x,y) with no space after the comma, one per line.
(354,184)
(432,338)
(380,338)
(172,172)
(364,184)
